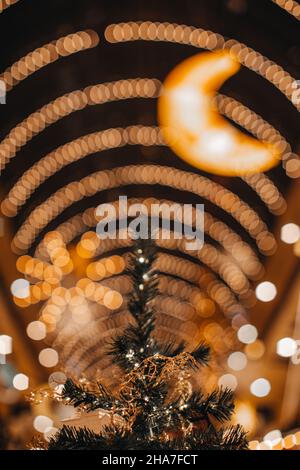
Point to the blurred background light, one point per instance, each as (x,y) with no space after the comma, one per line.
(266,291)
(260,387)
(247,334)
(286,347)
(237,361)
(48,357)
(36,330)
(5,344)
(255,350)
(20,288)
(21,382)
(290,233)
(41,423)
(229,381)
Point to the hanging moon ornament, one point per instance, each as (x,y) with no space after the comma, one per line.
(193,127)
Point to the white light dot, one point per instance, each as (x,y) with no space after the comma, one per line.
(20,381)
(48,357)
(286,347)
(57,379)
(260,387)
(36,330)
(290,233)
(50,432)
(266,445)
(5,344)
(228,380)
(272,436)
(237,361)
(247,334)
(41,423)
(20,288)
(266,291)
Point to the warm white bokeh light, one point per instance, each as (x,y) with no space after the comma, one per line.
(20,288)
(286,347)
(41,423)
(237,361)
(273,436)
(247,334)
(260,387)
(48,357)
(21,382)
(245,415)
(290,233)
(50,432)
(36,330)
(5,344)
(256,350)
(266,291)
(57,380)
(228,380)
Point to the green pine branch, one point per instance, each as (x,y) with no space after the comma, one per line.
(154,418)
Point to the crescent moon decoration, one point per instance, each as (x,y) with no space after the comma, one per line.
(200,38)
(195,130)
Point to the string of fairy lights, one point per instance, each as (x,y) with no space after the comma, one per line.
(178,267)
(123,89)
(144,174)
(290,6)
(111,138)
(45,55)
(222,279)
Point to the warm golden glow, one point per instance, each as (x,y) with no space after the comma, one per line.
(144,174)
(195,130)
(290,6)
(205,39)
(47,54)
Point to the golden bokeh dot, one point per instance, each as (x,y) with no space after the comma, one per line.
(58,296)
(52,274)
(101,270)
(109,266)
(255,350)
(205,307)
(112,300)
(23,303)
(99,293)
(21,263)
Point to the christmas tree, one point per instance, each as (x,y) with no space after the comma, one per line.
(155,406)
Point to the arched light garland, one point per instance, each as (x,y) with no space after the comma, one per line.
(122,89)
(143,174)
(200,38)
(287,442)
(290,6)
(240,251)
(218,291)
(66,104)
(47,277)
(185,269)
(109,139)
(45,55)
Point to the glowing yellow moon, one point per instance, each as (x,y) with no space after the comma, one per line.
(193,127)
